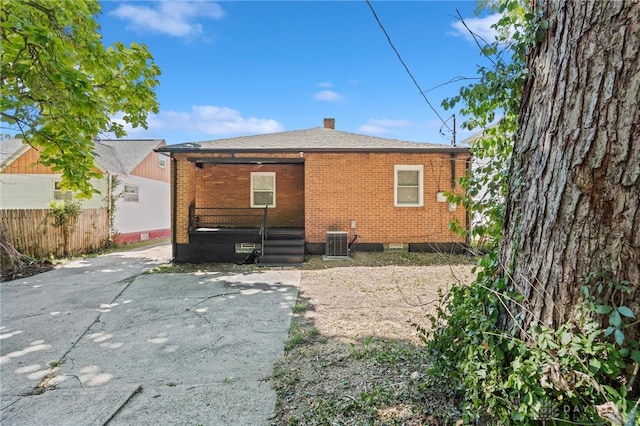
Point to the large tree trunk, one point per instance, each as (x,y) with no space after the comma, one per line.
(573,206)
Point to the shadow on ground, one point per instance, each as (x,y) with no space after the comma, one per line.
(322,380)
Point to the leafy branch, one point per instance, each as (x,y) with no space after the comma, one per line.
(62,86)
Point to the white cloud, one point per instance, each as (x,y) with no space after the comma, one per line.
(205,120)
(175,18)
(369,129)
(389,123)
(215,120)
(375,126)
(325,84)
(479,26)
(328,96)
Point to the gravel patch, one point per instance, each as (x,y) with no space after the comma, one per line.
(355,303)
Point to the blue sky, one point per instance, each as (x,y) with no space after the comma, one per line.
(238,68)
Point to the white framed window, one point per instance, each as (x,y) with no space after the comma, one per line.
(131,193)
(60,194)
(409,186)
(263,189)
(162,161)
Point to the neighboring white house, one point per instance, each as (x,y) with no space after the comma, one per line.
(142,194)
(477,165)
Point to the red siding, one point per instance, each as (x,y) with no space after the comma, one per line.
(150,168)
(133,237)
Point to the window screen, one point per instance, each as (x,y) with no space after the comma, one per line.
(263,189)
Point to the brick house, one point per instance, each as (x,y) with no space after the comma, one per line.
(313,191)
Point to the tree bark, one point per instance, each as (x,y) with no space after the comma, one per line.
(10,260)
(573,206)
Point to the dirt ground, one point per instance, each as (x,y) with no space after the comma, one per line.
(355,303)
(353,356)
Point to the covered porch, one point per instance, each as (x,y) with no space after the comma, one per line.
(249,209)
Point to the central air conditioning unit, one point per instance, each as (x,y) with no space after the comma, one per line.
(337,245)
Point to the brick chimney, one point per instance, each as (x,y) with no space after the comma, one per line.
(330,123)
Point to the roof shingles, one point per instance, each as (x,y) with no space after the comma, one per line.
(119,156)
(315,139)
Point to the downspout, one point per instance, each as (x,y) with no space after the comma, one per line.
(109,213)
(467,212)
(453,171)
(174,202)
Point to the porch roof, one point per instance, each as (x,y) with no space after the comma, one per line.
(319,139)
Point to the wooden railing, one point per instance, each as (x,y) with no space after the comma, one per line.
(216,217)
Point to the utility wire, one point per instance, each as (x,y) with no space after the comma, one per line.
(475,38)
(405,65)
(453,80)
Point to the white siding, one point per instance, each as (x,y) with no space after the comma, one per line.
(35,191)
(150,212)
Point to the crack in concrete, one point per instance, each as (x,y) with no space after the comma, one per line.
(115,413)
(200,315)
(204,318)
(213,297)
(39,389)
(129,281)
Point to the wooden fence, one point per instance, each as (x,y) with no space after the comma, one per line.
(32,232)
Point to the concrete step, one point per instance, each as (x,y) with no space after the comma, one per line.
(286,249)
(285,234)
(283,243)
(283,246)
(280,260)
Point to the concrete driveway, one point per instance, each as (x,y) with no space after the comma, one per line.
(94,342)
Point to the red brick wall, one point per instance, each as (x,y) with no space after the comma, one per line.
(360,187)
(185,195)
(229,185)
(336,188)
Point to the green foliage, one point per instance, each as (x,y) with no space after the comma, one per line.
(110,200)
(467,346)
(65,216)
(64,213)
(496,94)
(560,374)
(617,314)
(300,306)
(300,335)
(371,383)
(61,87)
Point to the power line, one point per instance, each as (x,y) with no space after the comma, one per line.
(453,80)
(475,38)
(375,15)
